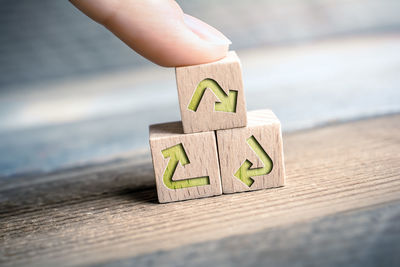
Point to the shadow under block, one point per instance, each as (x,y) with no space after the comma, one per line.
(185,165)
(251,158)
(211,95)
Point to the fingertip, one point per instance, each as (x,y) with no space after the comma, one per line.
(189,41)
(159,30)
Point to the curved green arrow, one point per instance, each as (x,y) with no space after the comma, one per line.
(244,173)
(177,154)
(227,102)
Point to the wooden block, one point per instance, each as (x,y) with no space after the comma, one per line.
(251,158)
(185,165)
(211,95)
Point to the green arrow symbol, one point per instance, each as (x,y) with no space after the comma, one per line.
(244,173)
(226,103)
(177,154)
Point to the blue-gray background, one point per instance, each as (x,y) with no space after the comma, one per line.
(72,94)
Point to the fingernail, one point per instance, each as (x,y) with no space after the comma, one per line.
(205,31)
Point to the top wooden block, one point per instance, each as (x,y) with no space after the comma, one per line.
(211,95)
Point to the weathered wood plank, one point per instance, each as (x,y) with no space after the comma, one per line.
(109,212)
(366,238)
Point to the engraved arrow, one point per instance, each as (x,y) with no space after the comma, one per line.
(177,154)
(244,173)
(226,103)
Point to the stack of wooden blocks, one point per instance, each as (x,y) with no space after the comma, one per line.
(217,147)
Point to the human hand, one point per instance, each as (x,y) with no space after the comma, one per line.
(158,30)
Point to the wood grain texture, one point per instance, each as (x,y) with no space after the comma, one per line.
(234,150)
(201,152)
(102,213)
(227,73)
(366,238)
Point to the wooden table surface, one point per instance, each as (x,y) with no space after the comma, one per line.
(340,206)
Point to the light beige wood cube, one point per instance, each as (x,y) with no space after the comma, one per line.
(211,95)
(185,165)
(251,158)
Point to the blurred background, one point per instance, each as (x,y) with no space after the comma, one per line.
(72,94)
